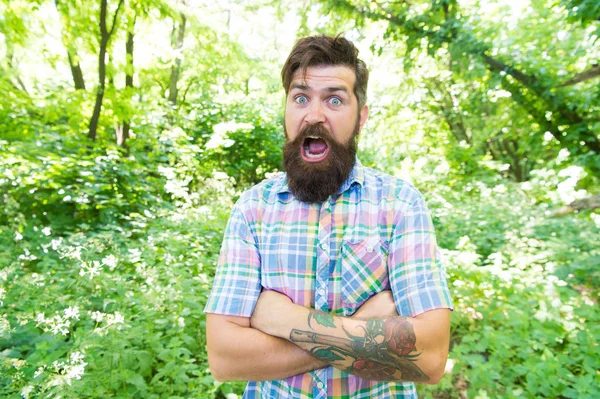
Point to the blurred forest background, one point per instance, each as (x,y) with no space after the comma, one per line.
(128,128)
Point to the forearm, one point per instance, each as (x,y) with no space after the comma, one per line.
(243,353)
(395,348)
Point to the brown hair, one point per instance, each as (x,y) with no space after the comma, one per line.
(324,50)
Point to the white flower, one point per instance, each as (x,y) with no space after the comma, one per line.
(82,199)
(58,325)
(169,259)
(92,268)
(76,254)
(181,322)
(46,231)
(97,316)
(220,175)
(27,255)
(72,312)
(56,243)
(135,255)
(77,357)
(57,365)
(18,236)
(110,261)
(40,318)
(26,391)
(75,372)
(117,318)
(16,363)
(2,292)
(4,325)
(65,372)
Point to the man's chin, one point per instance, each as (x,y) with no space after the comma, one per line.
(317,187)
(315,182)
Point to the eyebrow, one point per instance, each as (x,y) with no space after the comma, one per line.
(331,89)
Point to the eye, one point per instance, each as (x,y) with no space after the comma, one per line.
(301,100)
(335,101)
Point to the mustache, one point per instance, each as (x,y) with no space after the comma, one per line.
(314,130)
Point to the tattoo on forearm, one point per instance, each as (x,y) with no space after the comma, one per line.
(383,353)
(324,319)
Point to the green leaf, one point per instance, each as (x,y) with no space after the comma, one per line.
(323,319)
(327,355)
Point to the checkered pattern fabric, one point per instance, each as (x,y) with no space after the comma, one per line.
(375,234)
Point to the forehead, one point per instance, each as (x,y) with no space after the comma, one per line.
(323,77)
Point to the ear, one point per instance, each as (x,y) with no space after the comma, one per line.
(363,116)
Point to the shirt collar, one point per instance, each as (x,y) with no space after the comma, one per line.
(357,175)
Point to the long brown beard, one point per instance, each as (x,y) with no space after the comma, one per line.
(315,182)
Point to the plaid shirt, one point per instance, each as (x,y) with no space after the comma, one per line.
(375,234)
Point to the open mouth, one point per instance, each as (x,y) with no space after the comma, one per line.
(314,149)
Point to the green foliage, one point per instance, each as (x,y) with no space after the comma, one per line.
(146,274)
(516,323)
(524,284)
(585,11)
(485,82)
(71,188)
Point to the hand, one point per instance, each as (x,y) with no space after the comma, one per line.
(380,306)
(270,311)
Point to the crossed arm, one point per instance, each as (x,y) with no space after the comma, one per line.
(283,339)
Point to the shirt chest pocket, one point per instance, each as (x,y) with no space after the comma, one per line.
(363,269)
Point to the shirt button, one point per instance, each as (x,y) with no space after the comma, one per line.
(369,249)
(320,385)
(321,291)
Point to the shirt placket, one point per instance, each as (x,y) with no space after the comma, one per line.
(321,286)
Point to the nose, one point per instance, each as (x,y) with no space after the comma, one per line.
(315,113)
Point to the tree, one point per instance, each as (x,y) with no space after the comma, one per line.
(105,35)
(123,130)
(472,52)
(177,37)
(72,54)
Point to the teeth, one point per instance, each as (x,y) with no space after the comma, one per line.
(308,154)
(307,149)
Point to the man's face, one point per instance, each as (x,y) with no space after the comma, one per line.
(322,121)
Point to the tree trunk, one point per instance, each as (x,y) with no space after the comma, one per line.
(452,114)
(13,69)
(592,202)
(177,42)
(591,73)
(105,35)
(76,72)
(100,91)
(74,64)
(123,135)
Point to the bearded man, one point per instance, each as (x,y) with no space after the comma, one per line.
(329,282)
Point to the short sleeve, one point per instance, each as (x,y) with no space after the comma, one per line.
(417,276)
(237,284)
